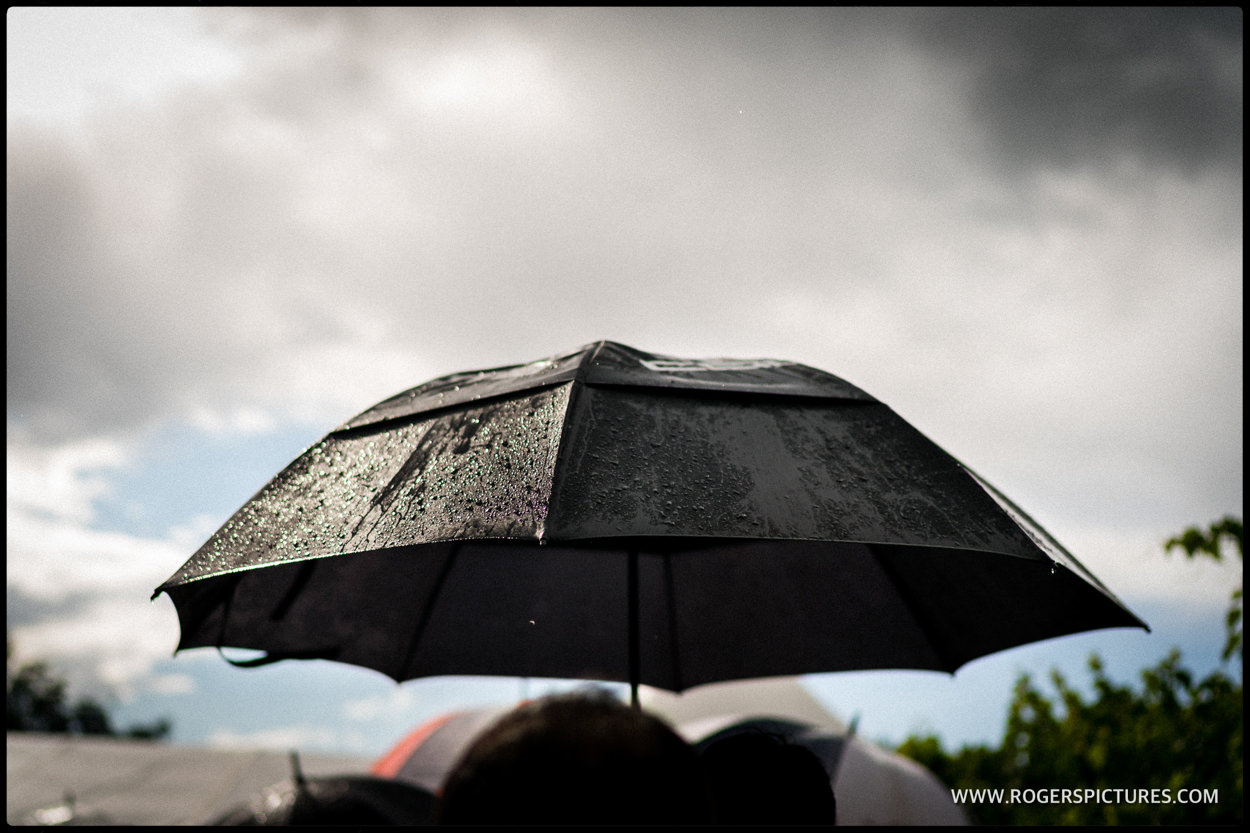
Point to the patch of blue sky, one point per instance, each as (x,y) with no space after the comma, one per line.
(316,705)
(973,704)
(180,473)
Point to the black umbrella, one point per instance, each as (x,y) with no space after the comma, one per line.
(613,514)
(334,800)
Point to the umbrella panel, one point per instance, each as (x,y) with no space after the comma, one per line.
(608,364)
(481,472)
(651,462)
(450,608)
(616,463)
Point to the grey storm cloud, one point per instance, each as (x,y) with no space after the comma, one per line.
(96,328)
(1067,86)
(1056,85)
(59,293)
(654,168)
(21,608)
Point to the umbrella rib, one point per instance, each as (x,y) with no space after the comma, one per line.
(635,650)
(909,601)
(428,611)
(840,753)
(383,500)
(557,456)
(233,581)
(672,620)
(276,615)
(302,577)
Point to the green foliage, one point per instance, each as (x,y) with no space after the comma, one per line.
(1197,541)
(1174,733)
(1211,542)
(35,701)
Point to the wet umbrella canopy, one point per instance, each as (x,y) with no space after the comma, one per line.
(613,514)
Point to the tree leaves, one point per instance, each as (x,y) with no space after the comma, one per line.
(1173,733)
(36,702)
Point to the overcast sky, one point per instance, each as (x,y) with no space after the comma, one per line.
(228,230)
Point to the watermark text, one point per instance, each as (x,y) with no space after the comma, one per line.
(1086,795)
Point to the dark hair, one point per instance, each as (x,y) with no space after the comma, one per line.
(582,758)
(761,778)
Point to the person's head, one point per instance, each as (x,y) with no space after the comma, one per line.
(581,758)
(760,778)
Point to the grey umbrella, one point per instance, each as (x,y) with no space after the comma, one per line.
(614,514)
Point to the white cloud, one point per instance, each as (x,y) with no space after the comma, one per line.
(53,560)
(60,481)
(110,642)
(394,703)
(502,84)
(1133,564)
(191,535)
(416,701)
(239,420)
(281,737)
(301,737)
(89,587)
(66,64)
(170,684)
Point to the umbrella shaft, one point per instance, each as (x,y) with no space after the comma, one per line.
(635,659)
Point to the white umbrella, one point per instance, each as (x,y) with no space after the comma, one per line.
(873,785)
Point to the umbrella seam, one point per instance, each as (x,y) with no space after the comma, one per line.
(909,601)
(389,423)
(555,458)
(634,639)
(225,613)
(416,461)
(672,620)
(428,611)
